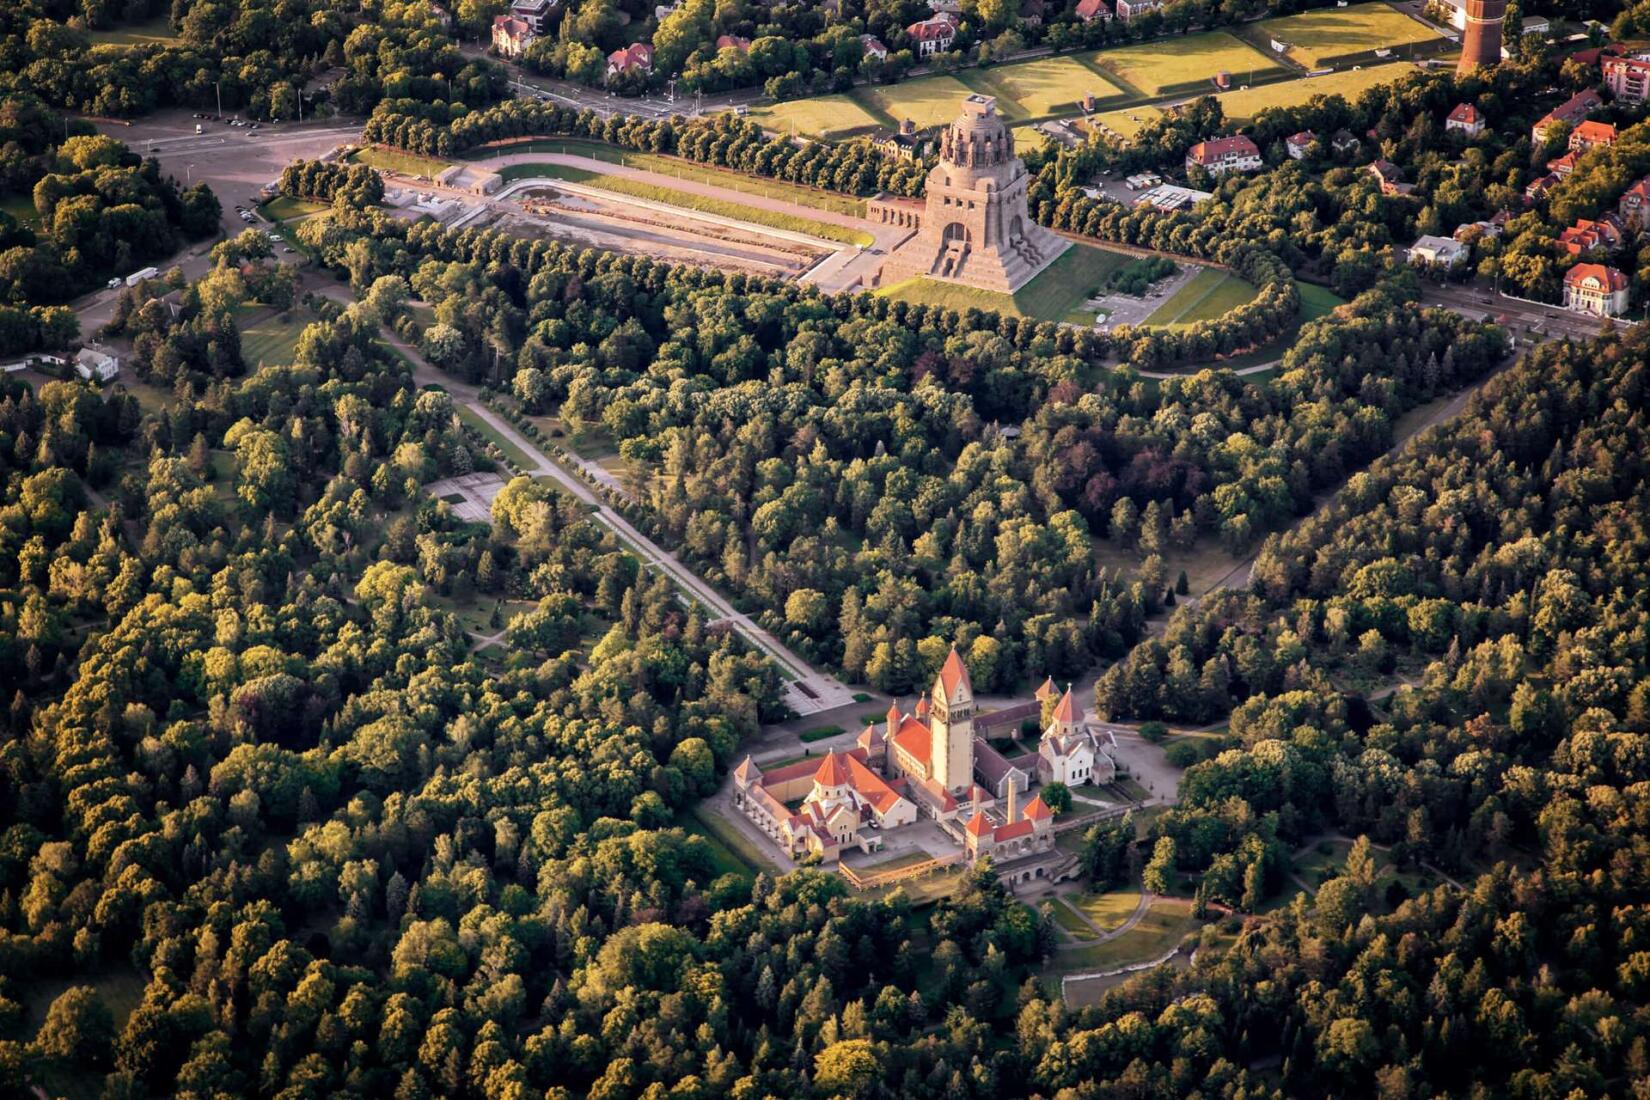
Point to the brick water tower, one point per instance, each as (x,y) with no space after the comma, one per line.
(1481,42)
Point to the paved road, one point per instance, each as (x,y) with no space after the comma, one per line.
(807,690)
(1475,301)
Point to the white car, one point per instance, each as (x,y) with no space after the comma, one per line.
(113,283)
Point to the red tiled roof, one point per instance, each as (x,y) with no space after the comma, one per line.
(732,41)
(940,26)
(511,26)
(871,786)
(1467,113)
(1037,809)
(914,737)
(1592,132)
(1088,9)
(1217,148)
(1045,690)
(1305,137)
(922,707)
(1067,710)
(635,55)
(747,770)
(978,825)
(954,676)
(1612,279)
(1013,831)
(833,772)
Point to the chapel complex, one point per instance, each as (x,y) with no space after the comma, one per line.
(973,227)
(930,763)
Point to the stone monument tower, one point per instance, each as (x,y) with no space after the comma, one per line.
(1481,43)
(974,227)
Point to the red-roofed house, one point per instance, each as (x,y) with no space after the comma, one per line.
(934,34)
(874,47)
(733,42)
(1465,118)
(1090,10)
(1391,177)
(1634,206)
(1536,188)
(1217,156)
(636,57)
(1561,167)
(1589,134)
(1572,110)
(1299,146)
(511,36)
(1587,236)
(1595,289)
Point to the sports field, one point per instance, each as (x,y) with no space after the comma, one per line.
(927,101)
(1043,87)
(1349,83)
(1211,293)
(829,117)
(1330,36)
(1056,291)
(394,160)
(1186,64)
(1127,121)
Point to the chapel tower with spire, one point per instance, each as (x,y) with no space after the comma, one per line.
(951,720)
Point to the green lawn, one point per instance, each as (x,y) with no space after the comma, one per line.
(1211,293)
(156,29)
(272,339)
(1042,87)
(1329,36)
(687,170)
(731,841)
(1109,911)
(285,208)
(1069,921)
(725,859)
(1126,122)
(927,101)
(394,160)
(1186,63)
(1317,301)
(490,434)
(1164,925)
(1241,106)
(830,117)
(722,208)
(1052,296)
(21,207)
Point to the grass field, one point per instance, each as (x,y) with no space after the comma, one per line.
(486,431)
(1211,293)
(927,101)
(687,170)
(157,30)
(1109,910)
(1051,296)
(271,339)
(285,208)
(1329,36)
(829,117)
(1069,921)
(1316,301)
(723,856)
(1165,924)
(1044,86)
(1186,64)
(394,160)
(1127,121)
(722,208)
(1244,105)
(21,207)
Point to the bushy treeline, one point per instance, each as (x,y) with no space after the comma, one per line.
(323,181)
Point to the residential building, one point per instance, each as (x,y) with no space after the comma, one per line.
(1589,134)
(1299,146)
(511,36)
(1535,24)
(874,47)
(1217,156)
(1133,9)
(1561,167)
(1438,251)
(1572,111)
(1090,10)
(905,143)
(1390,176)
(1628,78)
(934,35)
(1467,119)
(1342,142)
(637,57)
(951,7)
(1587,237)
(1634,206)
(535,13)
(1469,232)
(95,365)
(1595,289)
(1537,188)
(733,42)
(1071,752)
